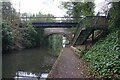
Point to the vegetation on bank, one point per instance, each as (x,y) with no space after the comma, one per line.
(104,56)
(55,43)
(14,39)
(7,37)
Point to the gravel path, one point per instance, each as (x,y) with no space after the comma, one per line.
(68,65)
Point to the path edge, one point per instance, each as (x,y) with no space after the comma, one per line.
(51,74)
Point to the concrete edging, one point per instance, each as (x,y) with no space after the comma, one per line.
(50,74)
(76,51)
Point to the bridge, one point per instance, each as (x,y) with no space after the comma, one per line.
(85,26)
(52,22)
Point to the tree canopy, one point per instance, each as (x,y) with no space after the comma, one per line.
(78,9)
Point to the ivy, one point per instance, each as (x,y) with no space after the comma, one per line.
(104,57)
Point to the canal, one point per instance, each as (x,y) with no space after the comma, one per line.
(33,61)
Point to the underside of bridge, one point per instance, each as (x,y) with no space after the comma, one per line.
(59,31)
(54,24)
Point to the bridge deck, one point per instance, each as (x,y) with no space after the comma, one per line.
(54,24)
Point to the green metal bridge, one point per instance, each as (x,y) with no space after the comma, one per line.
(52,22)
(87,26)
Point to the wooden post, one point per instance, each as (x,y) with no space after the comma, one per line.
(85,46)
(92,36)
(118,37)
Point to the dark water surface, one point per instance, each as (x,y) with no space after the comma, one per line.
(35,60)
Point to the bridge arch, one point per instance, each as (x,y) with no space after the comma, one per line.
(67,36)
(59,33)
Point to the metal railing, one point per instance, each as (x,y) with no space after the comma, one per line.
(50,19)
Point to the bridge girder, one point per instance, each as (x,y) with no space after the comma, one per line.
(54,24)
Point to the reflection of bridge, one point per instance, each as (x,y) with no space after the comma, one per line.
(84,28)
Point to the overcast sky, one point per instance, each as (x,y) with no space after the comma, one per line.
(44,6)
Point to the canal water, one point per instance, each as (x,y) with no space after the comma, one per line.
(31,61)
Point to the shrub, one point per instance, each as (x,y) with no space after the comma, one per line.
(7,37)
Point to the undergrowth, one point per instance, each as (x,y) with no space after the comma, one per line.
(104,56)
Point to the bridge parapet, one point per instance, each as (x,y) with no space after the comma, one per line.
(93,21)
(50,19)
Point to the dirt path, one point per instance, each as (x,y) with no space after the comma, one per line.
(68,65)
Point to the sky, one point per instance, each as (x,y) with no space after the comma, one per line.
(35,6)
(45,6)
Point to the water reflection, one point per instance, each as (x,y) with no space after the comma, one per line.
(31,60)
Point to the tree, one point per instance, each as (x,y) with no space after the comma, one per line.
(7,37)
(115,14)
(6,11)
(78,9)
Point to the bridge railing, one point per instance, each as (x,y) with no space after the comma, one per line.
(90,21)
(96,21)
(77,30)
(50,19)
(93,21)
